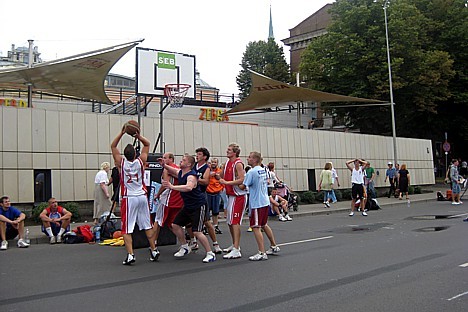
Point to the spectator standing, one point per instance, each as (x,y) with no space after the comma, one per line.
(403,181)
(334,179)
(102,201)
(370,180)
(55,221)
(391,175)
(115,181)
(326,184)
(455,179)
(11,224)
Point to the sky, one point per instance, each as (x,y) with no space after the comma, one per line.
(217,32)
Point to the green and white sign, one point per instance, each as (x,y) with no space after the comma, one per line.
(166,60)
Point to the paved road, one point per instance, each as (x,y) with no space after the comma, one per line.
(396,259)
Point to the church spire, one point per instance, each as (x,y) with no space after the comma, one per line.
(270,30)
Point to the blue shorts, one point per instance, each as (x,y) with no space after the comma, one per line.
(456,189)
(213,203)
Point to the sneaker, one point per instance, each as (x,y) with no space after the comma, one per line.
(364,214)
(288,218)
(183,251)
(249,229)
(234,254)
(22,243)
(273,250)
(455,203)
(129,259)
(59,239)
(259,257)
(335,201)
(53,239)
(281,218)
(154,255)
(205,231)
(327,204)
(4,245)
(193,245)
(229,249)
(210,257)
(460,202)
(217,230)
(351,213)
(217,249)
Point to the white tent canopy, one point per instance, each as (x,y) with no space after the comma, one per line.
(266,92)
(80,76)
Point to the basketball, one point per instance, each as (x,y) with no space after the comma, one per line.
(132,127)
(117,234)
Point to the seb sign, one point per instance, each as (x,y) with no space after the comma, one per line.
(213,114)
(13,102)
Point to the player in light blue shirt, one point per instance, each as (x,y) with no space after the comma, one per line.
(256,181)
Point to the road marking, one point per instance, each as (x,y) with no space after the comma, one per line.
(305,241)
(458,296)
(464,265)
(457,215)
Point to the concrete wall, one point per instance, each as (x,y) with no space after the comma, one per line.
(74,144)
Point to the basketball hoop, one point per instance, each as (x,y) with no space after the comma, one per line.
(175,94)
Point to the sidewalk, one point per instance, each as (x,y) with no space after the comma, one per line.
(37,237)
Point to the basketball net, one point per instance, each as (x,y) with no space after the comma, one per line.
(176,93)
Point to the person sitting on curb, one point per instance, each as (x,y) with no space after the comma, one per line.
(276,202)
(11,224)
(55,221)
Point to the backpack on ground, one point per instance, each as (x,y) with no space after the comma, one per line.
(109,226)
(440,196)
(85,232)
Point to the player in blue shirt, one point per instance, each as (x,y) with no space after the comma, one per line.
(257,183)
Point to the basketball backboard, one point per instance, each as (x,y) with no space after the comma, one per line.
(156,68)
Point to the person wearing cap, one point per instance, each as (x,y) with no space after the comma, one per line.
(391,175)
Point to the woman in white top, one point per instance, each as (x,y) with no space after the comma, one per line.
(272,178)
(102,201)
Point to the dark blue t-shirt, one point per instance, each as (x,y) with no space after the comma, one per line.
(200,172)
(195,198)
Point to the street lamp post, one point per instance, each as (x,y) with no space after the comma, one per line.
(392,104)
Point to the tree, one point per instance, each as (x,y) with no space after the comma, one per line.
(266,58)
(428,48)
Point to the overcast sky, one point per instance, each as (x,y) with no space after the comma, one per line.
(215,31)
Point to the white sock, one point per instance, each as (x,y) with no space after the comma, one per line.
(49,231)
(62,230)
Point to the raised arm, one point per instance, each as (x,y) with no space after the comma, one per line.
(115,151)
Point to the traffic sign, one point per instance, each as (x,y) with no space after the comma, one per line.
(446,147)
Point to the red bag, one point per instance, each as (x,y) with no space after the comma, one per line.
(85,231)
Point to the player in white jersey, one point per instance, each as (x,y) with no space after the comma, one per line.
(134,206)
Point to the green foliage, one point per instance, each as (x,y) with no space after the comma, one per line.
(73,207)
(429,59)
(37,211)
(417,189)
(346,194)
(266,58)
(308,197)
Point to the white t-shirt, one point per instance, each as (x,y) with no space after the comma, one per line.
(101,177)
(357,177)
(334,175)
